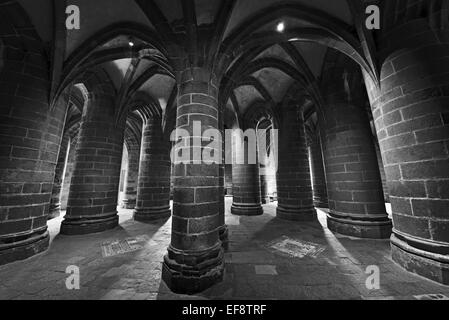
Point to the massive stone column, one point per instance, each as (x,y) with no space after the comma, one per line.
(55,202)
(354,185)
(223,232)
(294,188)
(318,174)
(263,177)
(153,191)
(92,203)
(30,136)
(412,121)
(130,196)
(195,256)
(245,181)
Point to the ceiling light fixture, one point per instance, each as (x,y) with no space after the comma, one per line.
(131,44)
(280,26)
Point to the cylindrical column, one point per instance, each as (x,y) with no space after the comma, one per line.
(294,188)
(153,191)
(92,203)
(318,176)
(130,196)
(30,136)
(195,256)
(263,187)
(412,121)
(246,197)
(55,201)
(223,232)
(263,177)
(356,200)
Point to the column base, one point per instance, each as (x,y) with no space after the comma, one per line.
(152,214)
(193,272)
(24,247)
(223,234)
(296,214)
(243,209)
(129,203)
(360,226)
(87,225)
(426,259)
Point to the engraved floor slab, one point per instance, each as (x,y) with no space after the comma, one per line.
(295,248)
(117,247)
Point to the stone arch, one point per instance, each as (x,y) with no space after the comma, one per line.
(86,56)
(258,112)
(329,32)
(240,74)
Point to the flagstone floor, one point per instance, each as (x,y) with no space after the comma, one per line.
(267,259)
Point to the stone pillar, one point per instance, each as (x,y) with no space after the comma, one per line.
(356,200)
(318,175)
(223,232)
(411,116)
(264,199)
(55,202)
(30,136)
(129,201)
(294,188)
(245,183)
(153,191)
(93,195)
(172,188)
(195,256)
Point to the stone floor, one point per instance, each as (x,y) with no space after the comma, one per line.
(267,259)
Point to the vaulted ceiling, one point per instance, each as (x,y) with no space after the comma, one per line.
(128,40)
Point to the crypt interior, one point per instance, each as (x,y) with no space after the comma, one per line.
(357,177)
